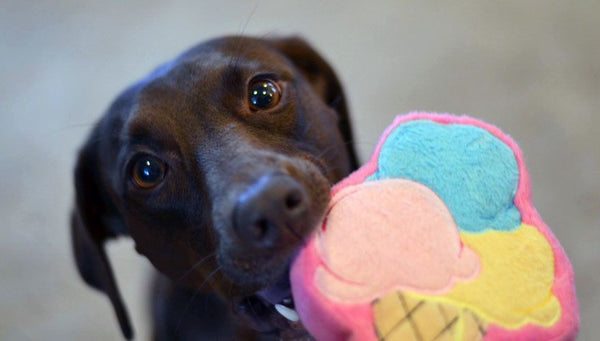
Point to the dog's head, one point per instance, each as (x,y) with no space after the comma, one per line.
(221,159)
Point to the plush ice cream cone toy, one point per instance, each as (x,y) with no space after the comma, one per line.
(436,238)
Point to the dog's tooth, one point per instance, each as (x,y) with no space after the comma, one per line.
(288,313)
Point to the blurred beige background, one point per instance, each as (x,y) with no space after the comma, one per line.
(530,67)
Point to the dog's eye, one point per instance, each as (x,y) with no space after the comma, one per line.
(263,94)
(147,171)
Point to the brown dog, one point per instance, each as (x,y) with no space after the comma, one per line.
(218,165)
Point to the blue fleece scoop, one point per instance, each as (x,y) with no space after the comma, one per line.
(470,169)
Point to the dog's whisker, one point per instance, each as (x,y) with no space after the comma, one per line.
(189,304)
(250,16)
(308,128)
(268,35)
(326,151)
(195,266)
(294,232)
(240,48)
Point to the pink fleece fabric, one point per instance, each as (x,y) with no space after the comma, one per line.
(413,230)
(329,320)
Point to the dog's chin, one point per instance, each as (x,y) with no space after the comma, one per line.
(266,303)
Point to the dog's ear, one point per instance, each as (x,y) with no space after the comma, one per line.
(323,80)
(90,230)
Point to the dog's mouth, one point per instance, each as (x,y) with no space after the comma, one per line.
(271,310)
(286,209)
(280,296)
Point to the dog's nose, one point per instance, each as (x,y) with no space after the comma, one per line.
(274,207)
